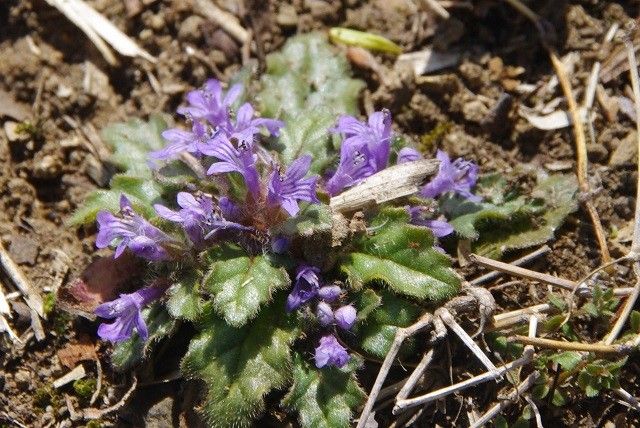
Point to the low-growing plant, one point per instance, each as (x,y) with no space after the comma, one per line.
(233,219)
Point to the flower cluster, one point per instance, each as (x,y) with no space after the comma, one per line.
(253,196)
(225,143)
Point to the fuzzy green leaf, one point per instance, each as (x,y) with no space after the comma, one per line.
(129,353)
(132,141)
(403,257)
(184,298)
(307,74)
(514,223)
(142,193)
(323,398)
(240,283)
(239,366)
(380,327)
(366,301)
(311,219)
(308,133)
(568,360)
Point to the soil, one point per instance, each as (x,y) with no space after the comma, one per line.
(54,79)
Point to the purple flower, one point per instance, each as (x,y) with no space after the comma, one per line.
(324,314)
(289,188)
(246,126)
(329,293)
(240,159)
(364,151)
(197,217)
(305,288)
(126,312)
(209,103)
(182,141)
(458,176)
(345,317)
(440,228)
(132,231)
(280,244)
(331,353)
(407,154)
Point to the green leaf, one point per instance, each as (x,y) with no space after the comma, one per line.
(308,133)
(184,297)
(403,257)
(567,360)
(558,195)
(362,39)
(312,219)
(559,398)
(240,283)
(307,75)
(634,321)
(366,301)
(239,366)
(323,398)
(132,141)
(129,353)
(379,329)
(142,193)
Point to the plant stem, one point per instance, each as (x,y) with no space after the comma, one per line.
(571,346)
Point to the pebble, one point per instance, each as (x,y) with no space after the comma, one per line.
(22,378)
(48,167)
(626,151)
(23,250)
(191,28)
(287,16)
(11,130)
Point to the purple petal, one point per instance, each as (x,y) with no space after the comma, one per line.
(324,314)
(345,317)
(407,154)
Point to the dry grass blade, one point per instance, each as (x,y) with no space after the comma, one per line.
(224,19)
(572,346)
(100,30)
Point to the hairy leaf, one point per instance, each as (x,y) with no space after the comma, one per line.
(311,219)
(142,193)
(403,257)
(323,398)
(184,297)
(307,74)
(379,329)
(132,141)
(129,353)
(240,283)
(239,366)
(509,222)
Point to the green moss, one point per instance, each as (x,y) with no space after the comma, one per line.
(431,139)
(49,303)
(84,388)
(45,396)
(94,424)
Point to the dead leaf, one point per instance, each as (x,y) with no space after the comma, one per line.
(73,353)
(102,281)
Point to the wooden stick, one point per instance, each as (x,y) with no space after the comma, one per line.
(521,261)
(31,296)
(522,272)
(450,322)
(401,335)
(410,383)
(524,386)
(402,405)
(572,346)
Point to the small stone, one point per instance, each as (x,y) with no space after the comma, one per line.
(159,414)
(22,378)
(626,151)
(597,152)
(11,129)
(48,167)
(64,91)
(23,250)
(190,29)
(287,16)
(156,22)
